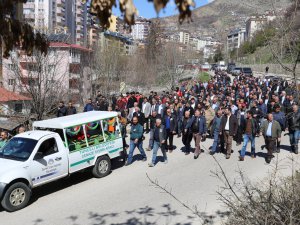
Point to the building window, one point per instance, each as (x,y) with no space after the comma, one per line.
(11,81)
(18,107)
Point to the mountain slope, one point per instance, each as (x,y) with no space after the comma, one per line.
(221,15)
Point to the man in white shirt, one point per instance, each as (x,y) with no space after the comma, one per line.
(229,126)
(146,109)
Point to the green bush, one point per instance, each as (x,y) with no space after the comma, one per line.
(204,77)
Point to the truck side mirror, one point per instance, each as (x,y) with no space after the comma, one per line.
(38,156)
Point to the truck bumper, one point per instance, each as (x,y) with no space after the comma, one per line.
(2,188)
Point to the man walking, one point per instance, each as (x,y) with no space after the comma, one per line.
(229,126)
(89,106)
(250,129)
(62,110)
(153,118)
(159,141)
(294,128)
(198,127)
(216,128)
(170,123)
(71,110)
(280,118)
(146,109)
(136,140)
(271,131)
(187,134)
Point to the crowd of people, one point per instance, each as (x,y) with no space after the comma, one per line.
(225,109)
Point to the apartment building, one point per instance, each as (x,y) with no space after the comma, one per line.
(141,29)
(58,16)
(118,42)
(256,23)
(236,38)
(184,37)
(65,64)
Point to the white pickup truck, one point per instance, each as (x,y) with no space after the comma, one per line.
(55,149)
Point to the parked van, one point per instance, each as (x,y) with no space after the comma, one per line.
(55,149)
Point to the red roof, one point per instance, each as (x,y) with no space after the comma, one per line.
(7,96)
(64,45)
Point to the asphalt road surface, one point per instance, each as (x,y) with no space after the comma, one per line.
(126,196)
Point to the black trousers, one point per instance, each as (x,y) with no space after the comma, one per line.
(239,135)
(147,124)
(186,140)
(270,145)
(169,139)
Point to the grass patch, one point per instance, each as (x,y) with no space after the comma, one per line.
(204,77)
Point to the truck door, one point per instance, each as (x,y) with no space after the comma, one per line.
(50,161)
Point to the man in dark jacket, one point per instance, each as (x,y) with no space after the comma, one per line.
(280,118)
(139,115)
(89,106)
(198,126)
(216,127)
(170,123)
(136,140)
(187,134)
(62,110)
(250,130)
(229,126)
(71,110)
(159,141)
(294,128)
(153,118)
(131,100)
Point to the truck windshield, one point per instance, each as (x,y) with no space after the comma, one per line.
(18,149)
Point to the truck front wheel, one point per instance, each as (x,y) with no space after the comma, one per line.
(16,197)
(102,167)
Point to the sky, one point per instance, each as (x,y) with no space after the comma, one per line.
(146,9)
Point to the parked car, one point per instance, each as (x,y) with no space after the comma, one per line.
(205,67)
(236,71)
(247,71)
(222,67)
(213,67)
(230,67)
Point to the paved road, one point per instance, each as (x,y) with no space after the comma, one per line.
(126,196)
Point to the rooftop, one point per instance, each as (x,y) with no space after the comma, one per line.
(7,96)
(65,45)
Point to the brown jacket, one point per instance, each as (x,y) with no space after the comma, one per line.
(233,124)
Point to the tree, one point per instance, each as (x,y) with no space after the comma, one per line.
(44,78)
(107,68)
(169,59)
(103,9)
(288,36)
(15,33)
(218,55)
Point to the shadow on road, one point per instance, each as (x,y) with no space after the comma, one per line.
(142,216)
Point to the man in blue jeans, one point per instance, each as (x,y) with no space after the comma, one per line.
(249,129)
(294,128)
(216,125)
(159,141)
(136,140)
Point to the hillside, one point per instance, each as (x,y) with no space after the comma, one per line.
(219,16)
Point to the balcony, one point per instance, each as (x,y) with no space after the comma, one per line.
(74,59)
(74,76)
